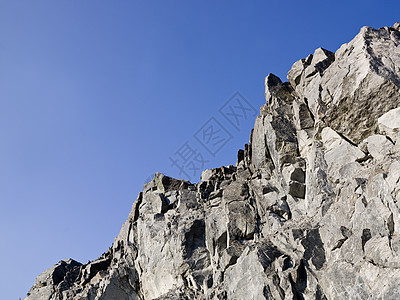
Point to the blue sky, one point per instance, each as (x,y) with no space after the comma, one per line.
(96,96)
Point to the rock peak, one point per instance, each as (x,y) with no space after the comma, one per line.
(309,211)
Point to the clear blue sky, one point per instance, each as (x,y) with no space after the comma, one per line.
(95,96)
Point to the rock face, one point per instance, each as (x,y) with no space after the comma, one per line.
(310,210)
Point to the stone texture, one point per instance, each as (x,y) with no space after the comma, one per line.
(309,211)
(389,124)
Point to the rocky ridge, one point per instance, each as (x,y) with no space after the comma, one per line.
(310,210)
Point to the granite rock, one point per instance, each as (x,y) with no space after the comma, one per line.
(310,210)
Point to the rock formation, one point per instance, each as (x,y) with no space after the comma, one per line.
(311,210)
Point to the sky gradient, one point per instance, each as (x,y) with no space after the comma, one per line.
(96,96)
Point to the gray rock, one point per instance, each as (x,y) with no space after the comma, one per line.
(389,124)
(309,211)
(378,146)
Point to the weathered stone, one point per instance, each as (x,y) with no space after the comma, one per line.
(311,210)
(303,117)
(389,124)
(378,146)
(338,152)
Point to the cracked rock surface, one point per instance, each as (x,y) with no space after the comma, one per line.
(311,209)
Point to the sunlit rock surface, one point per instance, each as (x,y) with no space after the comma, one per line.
(309,211)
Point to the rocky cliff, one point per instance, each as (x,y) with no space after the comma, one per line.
(311,210)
